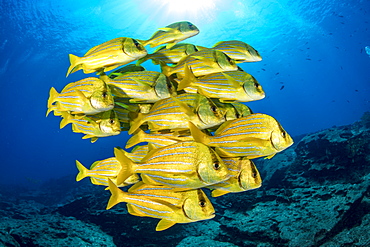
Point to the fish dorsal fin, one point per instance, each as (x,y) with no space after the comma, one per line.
(164,224)
(218,192)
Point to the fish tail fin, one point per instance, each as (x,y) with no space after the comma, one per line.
(73,59)
(198,135)
(166,70)
(53,94)
(126,165)
(143,42)
(82,171)
(66,119)
(135,124)
(188,80)
(117,195)
(135,139)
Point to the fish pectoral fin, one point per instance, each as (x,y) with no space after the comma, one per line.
(141,83)
(164,224)
(185,108)
(127,107)
(270,156)
(231,80)
(167,29)
(218,192)
(170,45)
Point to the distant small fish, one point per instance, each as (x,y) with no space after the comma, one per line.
(356,90)
(308,58)
(282,87)
(341,67)
(263,69)
(277,73)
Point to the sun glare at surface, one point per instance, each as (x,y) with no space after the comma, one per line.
(196,10)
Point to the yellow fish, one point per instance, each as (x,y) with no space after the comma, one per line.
(172,55)
(107,56)
(157,139)
(125,70)
(175,112)
(226,86)
(256,135)
(181,165)
(141,86)
(87,96)
(94,126)
(172,34)
(201,63)
(244,176)
(164,203)
(101,170)
(238,50)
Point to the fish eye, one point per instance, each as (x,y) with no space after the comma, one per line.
(137,44)
(283,134)
(254,174)
(111,121)
(104,94)
(256,85)
(213,108)
(202,203)
(216,165)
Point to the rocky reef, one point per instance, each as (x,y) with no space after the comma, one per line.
(316,193)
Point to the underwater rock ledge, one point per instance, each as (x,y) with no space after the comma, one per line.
(317,193)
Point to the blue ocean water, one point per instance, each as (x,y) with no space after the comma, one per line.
(315,69)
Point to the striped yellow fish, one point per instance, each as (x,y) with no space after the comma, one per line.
(141,86)
(172,34)
(101,170)
(244,176)
(256,135)
(87,96)
(181,165)
(125,70)
(107,56)
(201,63)
(164,203)
(94,126)
(175,112)
(238,50)
(226,86)
(157,139)
(172,55)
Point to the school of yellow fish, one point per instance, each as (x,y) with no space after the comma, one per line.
(199,134)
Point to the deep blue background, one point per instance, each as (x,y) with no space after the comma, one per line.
(315,49)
